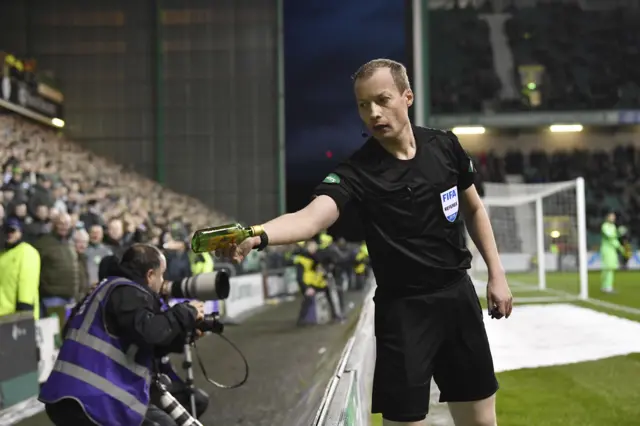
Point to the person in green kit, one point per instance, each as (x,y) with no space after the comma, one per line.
(609,248)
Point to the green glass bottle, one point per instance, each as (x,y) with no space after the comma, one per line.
(217,237)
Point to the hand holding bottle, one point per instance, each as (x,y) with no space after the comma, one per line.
(237,252)
(223,238)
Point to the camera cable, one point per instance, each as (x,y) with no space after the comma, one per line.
(217,384)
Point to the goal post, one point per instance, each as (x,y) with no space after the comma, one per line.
(541,233)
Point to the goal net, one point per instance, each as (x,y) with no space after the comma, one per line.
(540,230)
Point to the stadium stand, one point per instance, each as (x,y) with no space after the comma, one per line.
(38,165)
(573,59)
(590,60)
(44,175)
(464,78)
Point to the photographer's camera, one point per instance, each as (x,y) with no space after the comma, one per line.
(210,323)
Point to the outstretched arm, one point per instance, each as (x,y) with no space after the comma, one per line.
(290,228)
(302,225)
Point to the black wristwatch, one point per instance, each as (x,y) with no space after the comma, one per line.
(264,242)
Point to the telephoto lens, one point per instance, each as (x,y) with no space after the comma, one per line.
(209,286)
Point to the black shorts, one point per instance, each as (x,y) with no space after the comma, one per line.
(440,335)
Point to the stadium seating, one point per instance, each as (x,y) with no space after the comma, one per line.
(37,150)
(40,167)
(612,179)
(463,77)
(591,58)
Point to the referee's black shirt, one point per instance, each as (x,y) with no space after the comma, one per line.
(410,210)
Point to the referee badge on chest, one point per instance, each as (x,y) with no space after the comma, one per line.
(450,203)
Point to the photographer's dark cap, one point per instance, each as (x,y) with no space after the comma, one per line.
(13,224)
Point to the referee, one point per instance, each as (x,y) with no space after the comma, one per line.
(412,186)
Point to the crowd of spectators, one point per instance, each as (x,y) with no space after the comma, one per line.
(612,179)
(76,208)
(587,59)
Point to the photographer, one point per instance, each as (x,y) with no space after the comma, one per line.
(109,267)
(112,345)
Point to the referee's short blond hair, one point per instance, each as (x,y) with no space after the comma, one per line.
(398,72)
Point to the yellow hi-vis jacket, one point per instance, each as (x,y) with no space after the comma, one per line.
(201,263)
(361,259)
(325,240)
(310,277)
(20,279)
